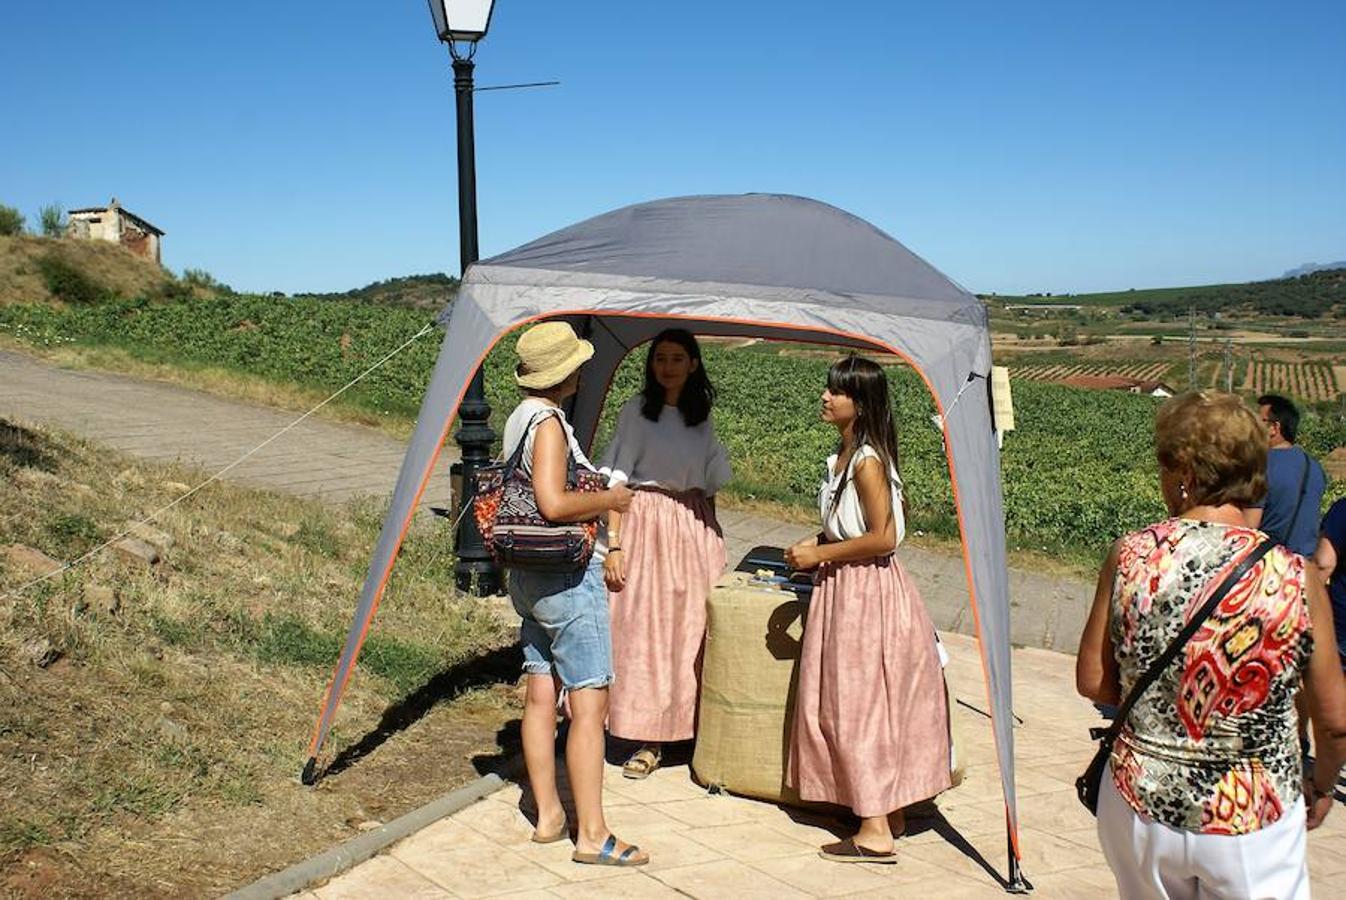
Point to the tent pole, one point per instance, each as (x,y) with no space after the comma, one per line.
(1016,883)
(475,437)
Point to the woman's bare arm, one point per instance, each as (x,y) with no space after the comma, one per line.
(1096,676)
(1325,690)
(551,455)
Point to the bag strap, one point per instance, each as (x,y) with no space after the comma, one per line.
(1159,665)
(572,464)
(517,456)
(1303,488)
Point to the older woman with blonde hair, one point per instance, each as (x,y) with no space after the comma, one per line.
(1204,795)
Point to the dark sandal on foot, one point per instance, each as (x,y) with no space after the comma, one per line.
(848,851)
(605,857)
(641,764)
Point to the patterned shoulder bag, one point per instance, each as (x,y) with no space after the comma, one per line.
(1087,785)
(512,527)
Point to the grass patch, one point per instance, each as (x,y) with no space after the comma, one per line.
(163,744)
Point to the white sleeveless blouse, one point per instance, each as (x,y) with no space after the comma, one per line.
(844,519)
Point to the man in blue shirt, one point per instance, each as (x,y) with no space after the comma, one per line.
(1295,481)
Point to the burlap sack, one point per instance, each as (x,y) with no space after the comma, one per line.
(749,672)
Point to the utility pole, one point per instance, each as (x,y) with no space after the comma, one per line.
(1228,366)
(1191,348)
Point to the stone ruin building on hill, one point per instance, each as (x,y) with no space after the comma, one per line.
(118,225)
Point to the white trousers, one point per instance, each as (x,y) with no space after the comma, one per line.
(1153,861)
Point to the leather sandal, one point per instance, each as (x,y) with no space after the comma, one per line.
(848,851)
(641,764)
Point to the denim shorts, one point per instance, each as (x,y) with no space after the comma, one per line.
(565,627)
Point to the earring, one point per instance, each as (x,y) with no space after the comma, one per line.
(1182,490)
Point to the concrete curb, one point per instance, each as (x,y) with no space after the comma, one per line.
(343,856)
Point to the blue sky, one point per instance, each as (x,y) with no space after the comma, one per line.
(1034,146)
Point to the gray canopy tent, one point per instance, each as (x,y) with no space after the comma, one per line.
(755,265)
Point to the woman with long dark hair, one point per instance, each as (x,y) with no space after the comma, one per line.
(666,552)
(871,727)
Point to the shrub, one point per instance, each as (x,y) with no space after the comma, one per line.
(53,220)
(66,282)
(11,221)
(200,278)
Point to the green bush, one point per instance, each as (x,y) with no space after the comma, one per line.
(53,220)
(66,282)
(200,278)
(11,221)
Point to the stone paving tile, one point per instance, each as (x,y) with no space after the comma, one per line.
(382,876)
(941,886)
(444,836)
(498,823)
(727,878)
(472,873)
(819,878)
(638,819)
(672,849)
(638,883)
(708,811)
(654,789)
(752,843)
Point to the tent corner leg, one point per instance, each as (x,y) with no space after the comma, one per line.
(309,776)
(1016,884)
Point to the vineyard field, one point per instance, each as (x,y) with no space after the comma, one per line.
(1078,471)
(1303,381)
(1143,371)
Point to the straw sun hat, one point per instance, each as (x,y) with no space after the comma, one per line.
(548,353)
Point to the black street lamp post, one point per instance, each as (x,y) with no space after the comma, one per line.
(466,21)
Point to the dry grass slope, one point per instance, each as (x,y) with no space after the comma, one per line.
(106,264)
(158,754)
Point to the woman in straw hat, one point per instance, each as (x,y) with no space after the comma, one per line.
(567,650)
(669,552)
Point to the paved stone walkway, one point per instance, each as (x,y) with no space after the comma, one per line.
(337,462)
(164,422)
(724,846)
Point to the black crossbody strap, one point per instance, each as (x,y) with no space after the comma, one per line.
(1303,488)
(1159,665)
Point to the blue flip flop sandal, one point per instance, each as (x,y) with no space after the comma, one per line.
(605,857)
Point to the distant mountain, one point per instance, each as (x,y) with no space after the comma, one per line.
(432,292)
(1310,268)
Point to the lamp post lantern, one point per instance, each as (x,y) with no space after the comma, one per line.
(465,22)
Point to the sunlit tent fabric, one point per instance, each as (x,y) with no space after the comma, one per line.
(756,265)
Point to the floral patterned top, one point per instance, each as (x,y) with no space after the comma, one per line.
(1211,746)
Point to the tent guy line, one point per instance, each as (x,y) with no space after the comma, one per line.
(18,591)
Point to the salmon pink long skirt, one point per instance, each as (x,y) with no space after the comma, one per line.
(675,554)
(871,727)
